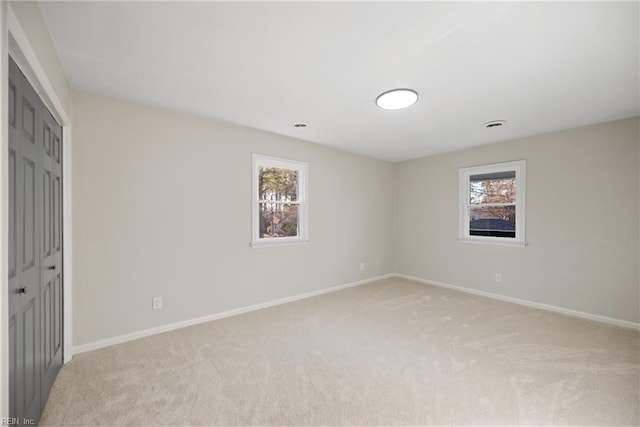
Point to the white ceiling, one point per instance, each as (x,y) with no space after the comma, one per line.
(540,66)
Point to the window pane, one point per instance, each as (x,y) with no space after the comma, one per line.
(492,188)
(496,221)
(278,220)
(278,184)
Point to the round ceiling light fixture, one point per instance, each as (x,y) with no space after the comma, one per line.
(397,99)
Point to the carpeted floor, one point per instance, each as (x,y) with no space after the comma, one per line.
(387,353)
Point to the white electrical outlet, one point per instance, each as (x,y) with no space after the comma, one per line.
(362,266)
(156,303)
(498,277)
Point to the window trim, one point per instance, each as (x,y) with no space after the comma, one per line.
(302,238)
(464,236)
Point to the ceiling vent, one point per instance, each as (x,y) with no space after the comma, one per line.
(495,124)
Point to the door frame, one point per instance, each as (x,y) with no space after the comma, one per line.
(14,42)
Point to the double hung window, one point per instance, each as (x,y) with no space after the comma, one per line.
(492,203)
(279,201)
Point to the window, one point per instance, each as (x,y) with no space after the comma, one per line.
(279,201)
(492,204)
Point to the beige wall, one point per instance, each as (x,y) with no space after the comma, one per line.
(162,207)
(582,221)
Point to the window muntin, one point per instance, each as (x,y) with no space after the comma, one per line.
(279,204)
(492,203)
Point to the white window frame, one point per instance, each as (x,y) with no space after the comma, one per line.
(258,161)
(519,167)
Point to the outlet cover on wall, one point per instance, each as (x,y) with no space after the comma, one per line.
(156,303)
(362,266)
(498,277)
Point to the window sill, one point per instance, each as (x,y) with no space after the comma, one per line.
(494,242)
(275,244)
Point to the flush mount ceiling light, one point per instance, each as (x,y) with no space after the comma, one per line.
(397,99)
(495,124)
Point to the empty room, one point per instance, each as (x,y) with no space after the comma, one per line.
(319,213)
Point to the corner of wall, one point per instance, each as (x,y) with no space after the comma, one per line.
(638,140)
(394,216)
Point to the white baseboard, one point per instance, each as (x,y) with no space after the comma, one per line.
(561,310)
(183,324)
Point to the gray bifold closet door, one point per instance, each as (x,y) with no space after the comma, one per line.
(35,249)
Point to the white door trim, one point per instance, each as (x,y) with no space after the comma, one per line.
(4,213)
(14,41)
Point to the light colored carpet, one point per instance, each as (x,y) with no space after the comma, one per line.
(387,353)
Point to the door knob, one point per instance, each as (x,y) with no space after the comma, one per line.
(22,290)
(51,267)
